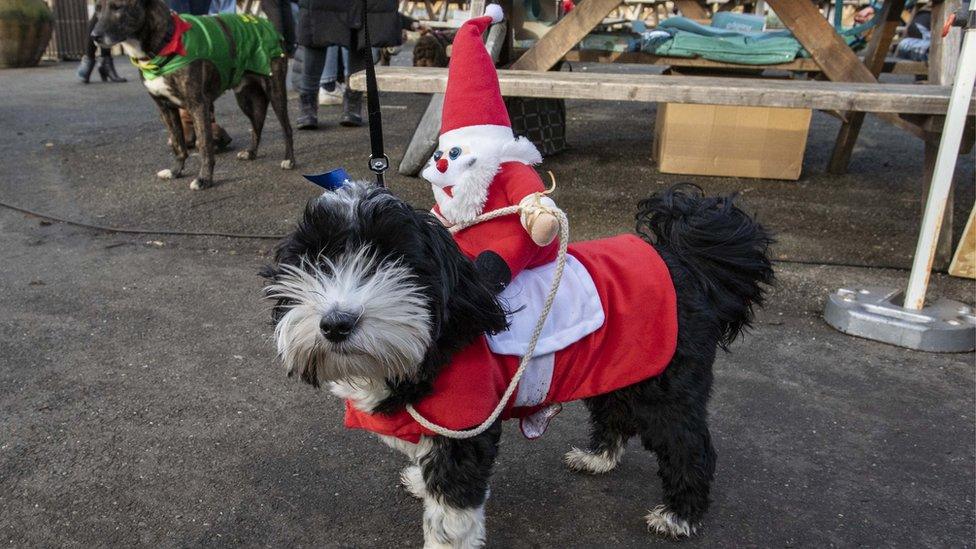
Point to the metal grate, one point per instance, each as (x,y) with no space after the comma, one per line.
(70,29)
(542,121)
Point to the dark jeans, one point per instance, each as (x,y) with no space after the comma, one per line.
(314,63)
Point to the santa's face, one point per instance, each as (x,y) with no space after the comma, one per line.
(448,163)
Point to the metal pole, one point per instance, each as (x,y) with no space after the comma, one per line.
(945,165)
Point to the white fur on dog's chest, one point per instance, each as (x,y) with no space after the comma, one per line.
(159,87)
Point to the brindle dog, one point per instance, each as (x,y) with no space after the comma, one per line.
(143,27)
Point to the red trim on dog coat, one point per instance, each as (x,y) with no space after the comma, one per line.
(636,342)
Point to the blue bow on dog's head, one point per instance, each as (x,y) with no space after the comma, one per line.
(331,180)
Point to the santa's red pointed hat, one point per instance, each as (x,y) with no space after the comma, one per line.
(473,101)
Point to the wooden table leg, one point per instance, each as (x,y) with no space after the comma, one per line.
(874,59)
(825,46)
(838,62)
(568,32)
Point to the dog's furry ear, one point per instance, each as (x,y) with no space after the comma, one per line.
(314,234)
(472,308)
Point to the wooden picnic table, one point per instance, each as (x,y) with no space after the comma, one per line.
(828,51)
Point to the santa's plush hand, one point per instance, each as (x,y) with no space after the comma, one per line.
(493,270)
(539,219)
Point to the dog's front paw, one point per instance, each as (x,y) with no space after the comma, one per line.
(287,164)
(663,522)
(245,155)
(199,184)
(167,174)
(585,461)
(412,478)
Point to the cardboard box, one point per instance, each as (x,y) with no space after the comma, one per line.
(759,142)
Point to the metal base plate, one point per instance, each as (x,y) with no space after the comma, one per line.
(944,326)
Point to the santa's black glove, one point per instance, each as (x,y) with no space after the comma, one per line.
(493,270)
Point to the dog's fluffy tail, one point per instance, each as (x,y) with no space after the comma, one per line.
(723,247)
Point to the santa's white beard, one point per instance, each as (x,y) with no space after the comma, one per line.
(469,189)
(469,192)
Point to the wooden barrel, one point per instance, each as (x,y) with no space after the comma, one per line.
(25,30)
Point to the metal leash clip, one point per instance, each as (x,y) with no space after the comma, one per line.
(379,164)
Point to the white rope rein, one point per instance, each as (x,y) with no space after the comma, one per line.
(536,332)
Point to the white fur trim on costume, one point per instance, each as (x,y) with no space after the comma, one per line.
(535,382)
(495,12)
(493,140)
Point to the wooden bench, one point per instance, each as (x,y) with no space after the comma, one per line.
(810,94)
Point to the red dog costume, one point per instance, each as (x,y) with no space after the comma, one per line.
(614,319)
(636,342)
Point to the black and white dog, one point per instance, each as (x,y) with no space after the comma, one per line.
(374,298)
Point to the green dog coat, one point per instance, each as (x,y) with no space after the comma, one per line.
(253,43)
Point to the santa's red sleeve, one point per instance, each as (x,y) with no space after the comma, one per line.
(505,235)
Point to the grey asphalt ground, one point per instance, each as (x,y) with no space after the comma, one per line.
(141,404)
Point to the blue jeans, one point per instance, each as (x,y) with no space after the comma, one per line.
(331,71)
(313,67)
(223,6)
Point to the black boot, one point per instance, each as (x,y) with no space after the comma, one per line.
(85,68)
(106,69)
(352,108)
(308,117)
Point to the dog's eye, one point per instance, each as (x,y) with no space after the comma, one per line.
(438,155)
(454,153)
(113,7)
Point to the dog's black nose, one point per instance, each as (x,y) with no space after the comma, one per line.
(96,36)
(337,326)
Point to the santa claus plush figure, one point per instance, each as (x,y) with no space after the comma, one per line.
(480,166)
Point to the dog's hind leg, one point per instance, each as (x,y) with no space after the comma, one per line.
(200,111)
(278,94)
(456,474)
(254,103)
(676,429)
(612,424)
(171,117)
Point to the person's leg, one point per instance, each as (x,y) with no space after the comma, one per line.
(352,101)
(330,72)
(106,67)
(314,61)
(342,72)
(329,94)
(87,64)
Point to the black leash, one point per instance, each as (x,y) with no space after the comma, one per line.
(378,161)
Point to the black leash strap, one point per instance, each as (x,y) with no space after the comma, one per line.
(378,161)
